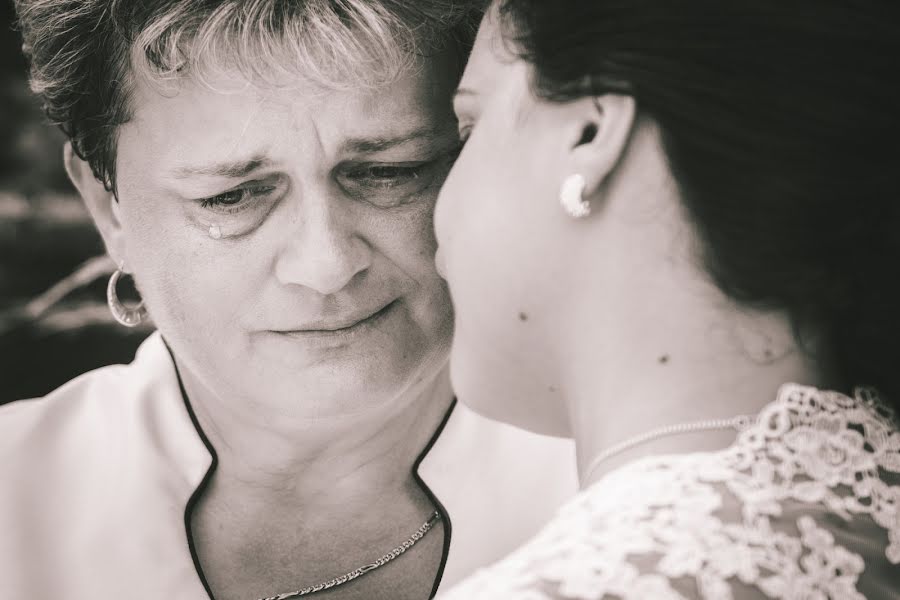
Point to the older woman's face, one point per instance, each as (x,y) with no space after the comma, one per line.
(282,238)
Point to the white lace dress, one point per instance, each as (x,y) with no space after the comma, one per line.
(804,505)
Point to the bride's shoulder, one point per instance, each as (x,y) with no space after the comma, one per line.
(805,503)
(604,542)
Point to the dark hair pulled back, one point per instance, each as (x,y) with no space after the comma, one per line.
(781,122)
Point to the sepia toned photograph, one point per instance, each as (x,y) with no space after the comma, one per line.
(454,299)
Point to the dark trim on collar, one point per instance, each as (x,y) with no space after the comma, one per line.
(445,516)
(192,501)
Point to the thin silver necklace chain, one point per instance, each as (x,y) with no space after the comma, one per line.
(738,423)
(360,571)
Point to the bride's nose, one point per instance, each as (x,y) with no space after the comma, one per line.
(325,250)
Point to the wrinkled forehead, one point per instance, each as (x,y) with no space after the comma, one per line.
(186,125)
(225,104)
(234,82)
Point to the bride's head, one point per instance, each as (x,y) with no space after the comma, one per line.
(737,159)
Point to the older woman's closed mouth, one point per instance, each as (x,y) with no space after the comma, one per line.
(340,325)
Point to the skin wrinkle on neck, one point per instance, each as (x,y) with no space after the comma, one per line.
(375,452)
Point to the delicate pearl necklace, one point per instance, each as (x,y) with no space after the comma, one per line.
(738,423)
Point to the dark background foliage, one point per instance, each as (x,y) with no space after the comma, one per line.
(54,323)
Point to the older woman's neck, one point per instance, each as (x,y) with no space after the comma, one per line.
(309,462)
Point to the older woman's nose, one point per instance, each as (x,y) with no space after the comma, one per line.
(325,251)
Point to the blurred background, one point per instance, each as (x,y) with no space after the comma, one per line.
(54,323)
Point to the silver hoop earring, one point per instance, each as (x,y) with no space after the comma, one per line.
(129,317)
(571,197)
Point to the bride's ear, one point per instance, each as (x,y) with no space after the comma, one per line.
(101,203)
(601,137)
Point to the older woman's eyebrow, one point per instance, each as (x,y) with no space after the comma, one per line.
(368,145)
(230,169)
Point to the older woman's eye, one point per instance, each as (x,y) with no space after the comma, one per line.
(240,210)
(388,175)
(393,184)
(235,200)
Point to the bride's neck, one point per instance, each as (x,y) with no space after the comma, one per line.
(692,365)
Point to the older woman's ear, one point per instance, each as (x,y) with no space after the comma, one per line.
(600,138)
(101,203)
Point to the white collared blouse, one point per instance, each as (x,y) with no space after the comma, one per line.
(98,478)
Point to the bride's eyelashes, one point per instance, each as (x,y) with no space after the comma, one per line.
(465,130)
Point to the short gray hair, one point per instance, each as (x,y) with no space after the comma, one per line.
(85,53)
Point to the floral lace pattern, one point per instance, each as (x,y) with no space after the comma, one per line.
(703,525)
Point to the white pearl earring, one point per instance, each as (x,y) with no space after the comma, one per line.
(571,197)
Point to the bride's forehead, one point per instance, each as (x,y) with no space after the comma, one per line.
(492,52)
